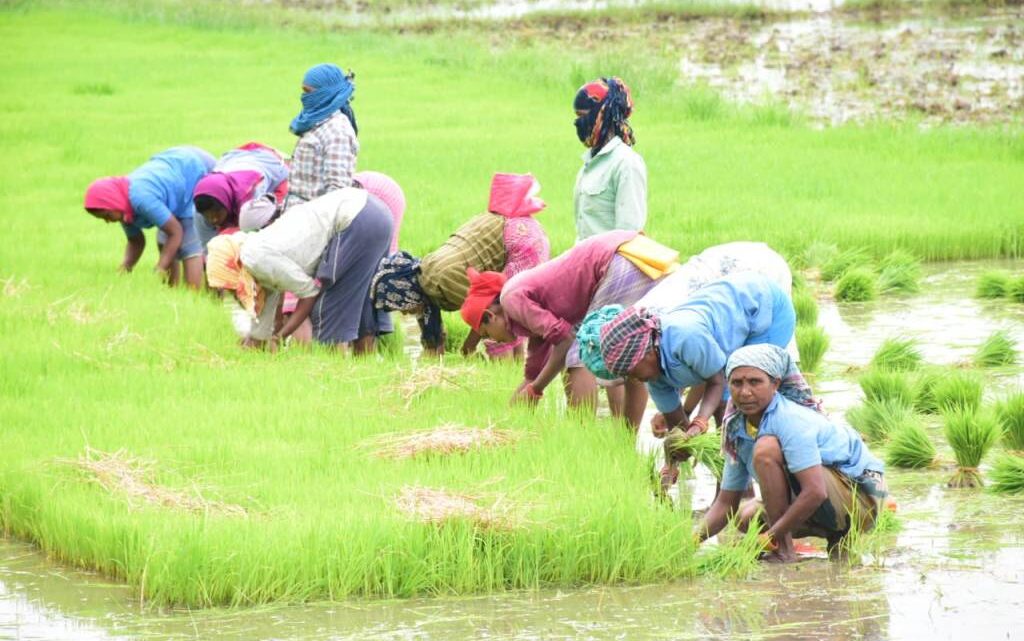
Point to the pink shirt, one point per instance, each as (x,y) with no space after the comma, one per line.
(546,302)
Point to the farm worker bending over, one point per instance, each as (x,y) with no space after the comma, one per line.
(157,194)
(611,186)
(817,478)
(245,190)
(547,302)
(506,238)
(325,154)
(326,252)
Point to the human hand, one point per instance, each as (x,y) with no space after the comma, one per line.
(767,541)
(525,394)
(698,425)
(659,426)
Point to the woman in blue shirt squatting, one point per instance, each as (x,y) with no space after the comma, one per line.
(157,194)
(817,478)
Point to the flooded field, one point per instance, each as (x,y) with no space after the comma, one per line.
(955,570)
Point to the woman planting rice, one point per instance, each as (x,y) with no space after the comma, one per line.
(325,154)
(817,478)
(245,190)
(157,194)
(546,302)
(338,238)
(506,238)
(611,187)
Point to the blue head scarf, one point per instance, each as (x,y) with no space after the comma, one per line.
(332,91)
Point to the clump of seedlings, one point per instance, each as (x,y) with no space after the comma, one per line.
(857,285)
(971,434)
(993,284)
(840,264)
(437,506)
(819,253)
(877,419)
(705,449)
(1010,414)
(958,391)
(998,350)
(1015,290)
(1007,474)
(899,272)
(444,440)
(806,308)
(881,385)
(923,386)
(910,445)
(898,355)
(812,342)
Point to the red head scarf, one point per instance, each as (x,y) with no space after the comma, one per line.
(110,193)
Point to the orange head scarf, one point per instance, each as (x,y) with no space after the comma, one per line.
(224,270)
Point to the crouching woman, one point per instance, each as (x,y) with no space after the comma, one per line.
(817,478)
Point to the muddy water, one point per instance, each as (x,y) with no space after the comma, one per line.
(954,571)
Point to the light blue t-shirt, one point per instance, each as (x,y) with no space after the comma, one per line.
(807,438)
(163,187)
(698,336)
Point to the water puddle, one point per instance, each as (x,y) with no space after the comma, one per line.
(955,570)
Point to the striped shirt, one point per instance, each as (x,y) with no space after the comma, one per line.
(324,160)
(479,243)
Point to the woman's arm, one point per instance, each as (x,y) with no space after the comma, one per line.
(718,515)
(301,313)
(175,234)
(554,365)
(133,251)
(714,389)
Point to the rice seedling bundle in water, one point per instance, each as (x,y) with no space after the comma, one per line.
(994,284)
(1010,413)
(898,355)
(1016,290)
(971,434)
(923,386)
(857,285)
(909,445)
(1007,475)
(812,342)
(844,262)
(877,419)
(958,391)
(806,308)
(899,272)
(881,385)
(998,350)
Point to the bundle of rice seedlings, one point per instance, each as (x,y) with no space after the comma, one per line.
(436,506)
(1007,474)
(880,385)
(993,284)
(857,285)
(806,308)
(812,342)
(799,282)
(1015,290)
(444,440)
(971,434)
(910,445)
(923,386)
(899,272)
(958,391)
(838,265)
(898,355)
(819,253)
(705,449)
(1010,414)
(423,379)
(877,419)
(997,350)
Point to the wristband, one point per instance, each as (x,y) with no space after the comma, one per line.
(700,422)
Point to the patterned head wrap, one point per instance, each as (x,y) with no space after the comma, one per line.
(626,339)
(589,338)
(770,359)
(608,104)
(224,270)
(110,193)
(396,288)
(332,91)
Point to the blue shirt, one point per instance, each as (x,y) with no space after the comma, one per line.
(698,336)
(807,439)
(163,187)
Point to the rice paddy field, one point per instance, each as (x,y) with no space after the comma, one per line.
(150,468)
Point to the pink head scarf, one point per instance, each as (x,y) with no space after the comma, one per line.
(231,189)
(514,195)
(384,187)
(110,193)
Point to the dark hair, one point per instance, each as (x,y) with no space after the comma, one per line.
(484,319)
(205,203)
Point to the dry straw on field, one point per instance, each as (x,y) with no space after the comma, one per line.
(119,473)
(449,438)
(423,379)
(439,506)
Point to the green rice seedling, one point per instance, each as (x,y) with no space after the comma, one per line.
(799,283)
(857,285)
(843,262)
(998,350)
(812,342)
(705,449)
(898,355)
(923,386)
(819,253)
(958,390)
(1007,474)
(1016,290)
(909,445)
(971,434)
(1010,413)
(455,331)
(392,345)
(806,307)
(881,385)
(993,284)
(899,272)
(877,419)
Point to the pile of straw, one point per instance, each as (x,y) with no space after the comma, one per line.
(425,378)
(436,506)
(449,438)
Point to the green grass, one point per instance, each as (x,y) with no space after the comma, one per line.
(812,342)
(998,350)
(838,264)
(898,355)
(971,434)
(1015,290)
(993,284)
(909,445)
(923,389)
(857,285)
(958,390)
(877,419)
(1010,413)
(806,307)
(881,385)
(899,272)
(1007,475)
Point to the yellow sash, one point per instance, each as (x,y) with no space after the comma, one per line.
(650,256)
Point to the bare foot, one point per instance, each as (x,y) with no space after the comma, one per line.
(779,556)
